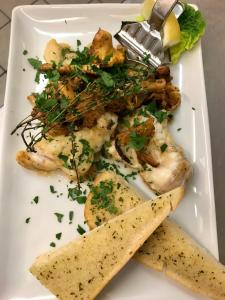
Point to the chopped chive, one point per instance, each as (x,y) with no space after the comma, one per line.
(58,235)
(80,230)
(59,217)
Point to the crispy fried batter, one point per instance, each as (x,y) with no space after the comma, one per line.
(102,47)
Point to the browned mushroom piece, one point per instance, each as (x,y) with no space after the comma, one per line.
(173,96)
(46,67)
(157,86)
(146,158)
(32,98)
(163,72)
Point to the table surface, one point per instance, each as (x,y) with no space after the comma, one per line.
(213,47)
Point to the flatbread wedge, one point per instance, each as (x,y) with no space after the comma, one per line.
(169,249)
(81,269)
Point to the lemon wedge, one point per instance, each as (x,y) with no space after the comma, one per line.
(171,31)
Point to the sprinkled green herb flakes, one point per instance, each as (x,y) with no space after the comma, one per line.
(136,141)
(103,197)
(71,215)
(87,152)
(27,220)
(163,147)
(25,52)
(58,235)
(35,200)
(80,230)
(52,189)
(52,244)
(151,109)
(75,194)
(59,217)
(98,221)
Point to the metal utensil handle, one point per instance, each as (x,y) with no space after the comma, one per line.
(160,12)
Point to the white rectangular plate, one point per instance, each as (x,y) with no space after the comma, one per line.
(32,27)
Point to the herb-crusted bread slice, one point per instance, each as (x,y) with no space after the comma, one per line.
(169,249)
(82,268)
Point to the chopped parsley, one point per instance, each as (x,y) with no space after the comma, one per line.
(193,108)
(163,147)
(75,194)
(80,230)
(36,199)
(58,235)
(152,109)
(136,141)
(59,217)
(35,63)
(52,189)
(25,52)
(52,244)
(27,220)
(67,161)
(71,214)
(179,129)
(102,196)
(105,165)
(87,152)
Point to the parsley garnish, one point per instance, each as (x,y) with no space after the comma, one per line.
(102,196)
(76,195)
(151,108)
(35,63)
(27,220)
(71,214)
(179,129)
(52,75)
(87,152)
(25,52)
(163,147)
(58,235)
(193,108)
(36,199)
(52,189)
(136,141)
(80,230)
(59,217)
(52,244)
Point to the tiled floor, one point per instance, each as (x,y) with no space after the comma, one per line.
(6,7)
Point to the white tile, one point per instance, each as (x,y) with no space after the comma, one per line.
(3,19)
(8,5)
(4,45)
(2,88)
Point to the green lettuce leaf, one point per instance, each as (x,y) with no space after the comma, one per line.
(192,26)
